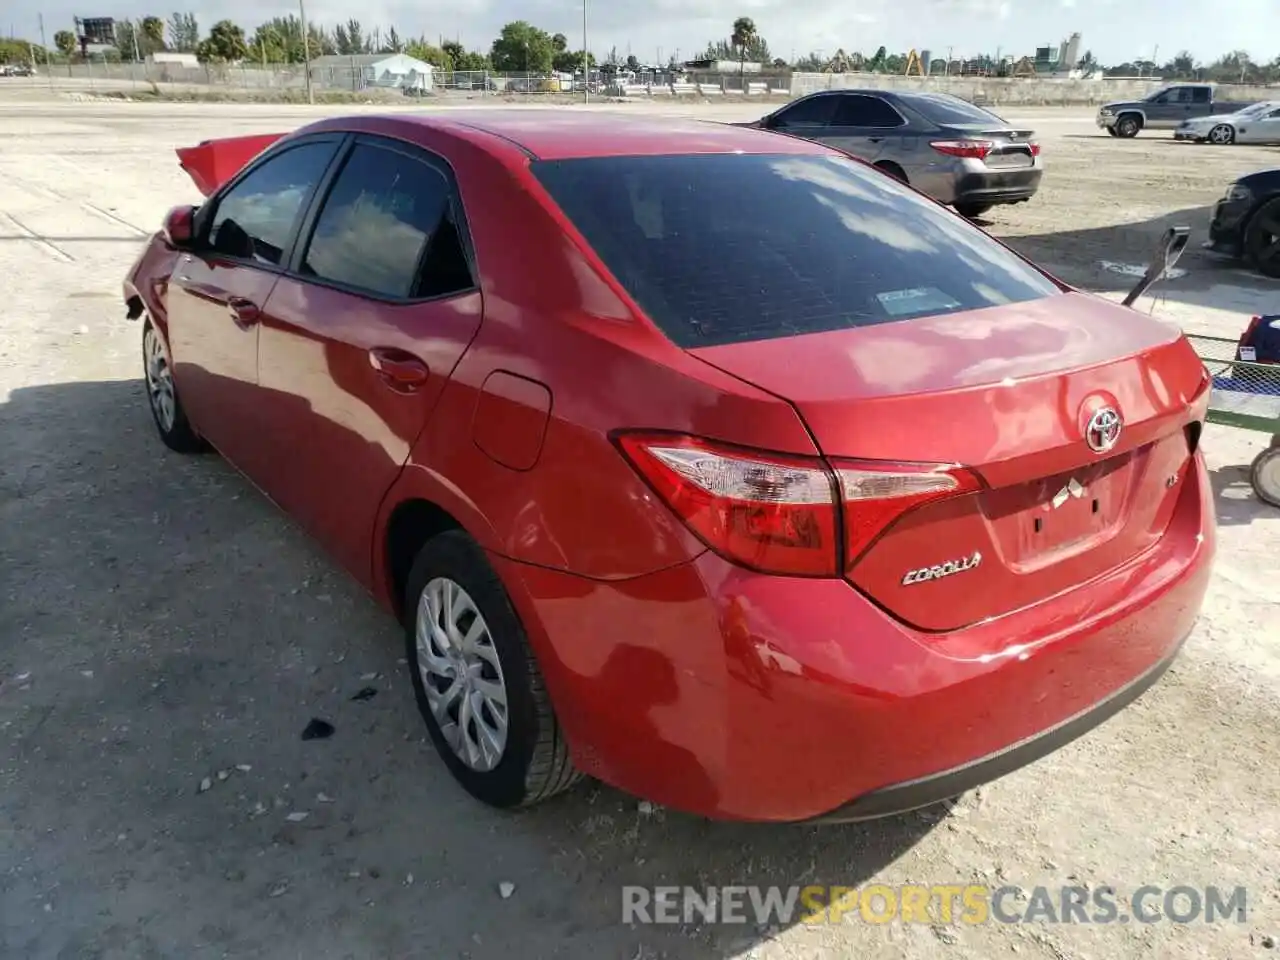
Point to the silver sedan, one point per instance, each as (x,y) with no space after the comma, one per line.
(1258,123)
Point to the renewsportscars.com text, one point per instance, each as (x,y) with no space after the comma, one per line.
(968,904)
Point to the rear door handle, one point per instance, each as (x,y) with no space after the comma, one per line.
(245,312)
(400,370)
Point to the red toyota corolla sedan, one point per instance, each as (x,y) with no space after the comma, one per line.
(706,462)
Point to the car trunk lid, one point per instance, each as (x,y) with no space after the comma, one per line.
(1010,147)
(1007,393)
(211,163)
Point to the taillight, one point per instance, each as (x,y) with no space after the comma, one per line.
(782,514)
(1035,148)
(971,149)
(772,513)
(875,494)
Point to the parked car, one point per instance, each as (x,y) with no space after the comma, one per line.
(1259,123)
(710,463)
(1246,222)
(1164,109)
(957,153)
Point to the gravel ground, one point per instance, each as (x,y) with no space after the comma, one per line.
(163,629)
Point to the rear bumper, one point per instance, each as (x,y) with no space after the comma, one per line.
(998,186)
(724,693)
(902,797)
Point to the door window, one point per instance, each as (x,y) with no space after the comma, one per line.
(857,110)
(256,218)
(812,111)
(1200,95)
(389,227)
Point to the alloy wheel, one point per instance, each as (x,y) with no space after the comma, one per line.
(462,674)
(1221,134)
(159,381)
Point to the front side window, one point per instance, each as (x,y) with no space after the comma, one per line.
(388,227)
(256,218)
(813,111)
(726,248)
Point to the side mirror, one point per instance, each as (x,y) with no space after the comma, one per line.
(1168,252)
(179,226)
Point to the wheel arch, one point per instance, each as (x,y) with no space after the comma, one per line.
(420,505)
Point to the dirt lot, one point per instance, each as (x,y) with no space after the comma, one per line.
(160,623)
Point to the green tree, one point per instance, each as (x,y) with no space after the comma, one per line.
(429,53)
(184,32)
(522,47)
(225,44)
(560,43)
(152,34)
(570,61)
(1087,63)
(394,44)
(21,52)
(65,41)
(464,59)
(128,40)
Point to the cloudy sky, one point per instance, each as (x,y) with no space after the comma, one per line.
(1115,30)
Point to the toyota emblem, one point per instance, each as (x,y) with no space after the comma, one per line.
(1103,430)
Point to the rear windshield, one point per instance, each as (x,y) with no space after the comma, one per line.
(948,110)
(728,248)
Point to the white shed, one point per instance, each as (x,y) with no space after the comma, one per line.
(372,70)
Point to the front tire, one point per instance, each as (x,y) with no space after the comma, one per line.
(1223,134)
(972,210)
(162,396)
(1262,239)
(477,684)
(1128,126)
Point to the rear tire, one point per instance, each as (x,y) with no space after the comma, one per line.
(972,210)
(474,675)
(1262,239)
(893,170)
(166,408)
(1223,134)
(1264,475)
(1128,126)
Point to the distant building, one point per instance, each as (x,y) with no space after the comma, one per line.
(362,70)
(724,66)
(169,58)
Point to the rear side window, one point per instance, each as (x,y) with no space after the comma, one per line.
(728,248)
(946,110)
(255,219)
(1200,95)
(858,110)
(388,227)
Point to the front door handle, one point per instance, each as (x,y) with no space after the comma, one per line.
(245,312)
(400,370)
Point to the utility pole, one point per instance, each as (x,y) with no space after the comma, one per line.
(586,58)
(306,49)
(48,62)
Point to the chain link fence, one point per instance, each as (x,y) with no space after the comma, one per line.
(359,79)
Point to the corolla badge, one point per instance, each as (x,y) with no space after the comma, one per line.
(940,570)
(1103,430)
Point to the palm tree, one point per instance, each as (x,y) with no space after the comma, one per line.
(744,34)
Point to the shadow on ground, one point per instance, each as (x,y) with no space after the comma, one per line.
(1234,497)
(1080,257)
(165,637)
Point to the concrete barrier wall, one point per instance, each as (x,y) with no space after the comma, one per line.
(1010,91)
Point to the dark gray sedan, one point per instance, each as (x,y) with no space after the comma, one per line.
(957,153)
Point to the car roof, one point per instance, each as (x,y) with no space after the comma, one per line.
(563,134)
